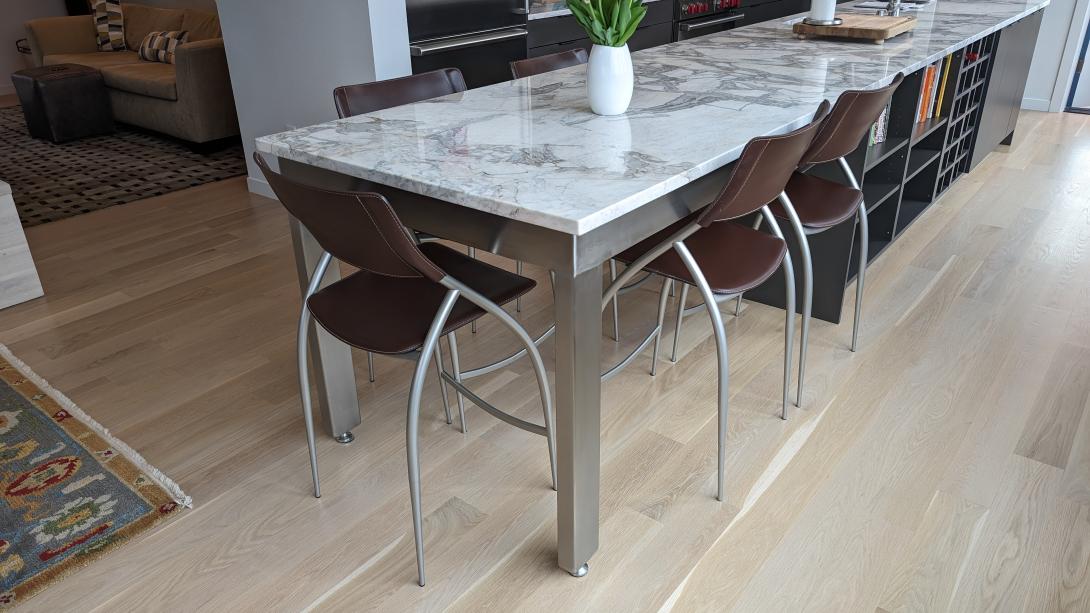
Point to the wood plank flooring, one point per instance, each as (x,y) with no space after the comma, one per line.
(944,467)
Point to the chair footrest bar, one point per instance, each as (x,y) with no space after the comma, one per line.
(632,356)
(493,411)
(494,366)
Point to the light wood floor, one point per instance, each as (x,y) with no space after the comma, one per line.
(944,467)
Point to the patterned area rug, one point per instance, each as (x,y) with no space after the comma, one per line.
(52,182)
(69,491)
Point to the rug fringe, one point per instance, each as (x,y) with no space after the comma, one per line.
(164,481)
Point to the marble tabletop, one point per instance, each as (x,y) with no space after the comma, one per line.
(531,150)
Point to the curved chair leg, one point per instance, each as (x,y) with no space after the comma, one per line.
(864,238)
(472,252)
(680,316)
(738,305)
(438,357)
(456,364)
(722,358)
(371,367)
(864,242)
(304,394)
(518,271)
(535,360)
(412,424)
(807,287)
(616,310)
(789,325)
(302,341)
(667,287)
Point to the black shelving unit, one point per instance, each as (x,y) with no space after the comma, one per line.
(904,175)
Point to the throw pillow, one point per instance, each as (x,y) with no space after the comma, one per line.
(110,25)
(160,46)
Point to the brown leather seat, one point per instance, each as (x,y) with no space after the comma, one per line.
(391,315)
(734,258)
(820,203)
(352,100)
(548,63)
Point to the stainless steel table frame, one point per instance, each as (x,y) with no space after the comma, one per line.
(577,262)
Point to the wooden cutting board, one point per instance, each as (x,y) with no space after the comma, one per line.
(873,28)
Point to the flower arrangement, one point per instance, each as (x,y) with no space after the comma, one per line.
(609,23)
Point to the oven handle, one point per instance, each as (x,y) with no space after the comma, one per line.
(689,27)
(464,42)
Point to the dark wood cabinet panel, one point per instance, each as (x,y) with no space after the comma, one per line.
(1006,85)
(565,29)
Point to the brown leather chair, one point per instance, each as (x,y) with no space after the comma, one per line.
(723,259)
(548,63)
(403,299)
(813,205)
(354,100)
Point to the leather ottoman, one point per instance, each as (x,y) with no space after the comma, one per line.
(64,102)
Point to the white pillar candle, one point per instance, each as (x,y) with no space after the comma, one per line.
(822,10)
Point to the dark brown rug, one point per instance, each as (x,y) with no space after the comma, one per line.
(51,182)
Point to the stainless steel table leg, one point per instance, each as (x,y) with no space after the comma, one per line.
(578,415)
(331,359)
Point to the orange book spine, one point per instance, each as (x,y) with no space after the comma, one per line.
(925,95)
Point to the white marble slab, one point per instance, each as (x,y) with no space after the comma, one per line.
(18,276)
(531,149)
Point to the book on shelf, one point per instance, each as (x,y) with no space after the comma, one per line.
(942,84)
(925,95)
(934,90)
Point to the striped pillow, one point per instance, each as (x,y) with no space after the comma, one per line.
(160,46)
(110,25)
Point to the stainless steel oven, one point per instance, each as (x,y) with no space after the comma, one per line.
(702,17)
(479,37)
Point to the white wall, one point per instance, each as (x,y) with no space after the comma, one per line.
(15,14)
(1054,57)
(287,56)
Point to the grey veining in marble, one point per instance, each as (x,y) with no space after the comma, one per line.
(541,9)
(531,149)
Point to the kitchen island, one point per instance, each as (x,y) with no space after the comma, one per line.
(525,170)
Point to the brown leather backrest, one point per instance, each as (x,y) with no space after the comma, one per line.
(354,100)
(762,171)
(548,63)
(852,115)
(359,228)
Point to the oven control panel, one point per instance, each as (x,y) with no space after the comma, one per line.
(696,8)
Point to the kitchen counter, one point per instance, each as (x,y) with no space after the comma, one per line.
(541,9)
(531,150)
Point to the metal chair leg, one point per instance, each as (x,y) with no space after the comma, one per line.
(456,364)
(789,290)
(722,359)
(442,384)
(535,359)
(518,301)
(864,243)
(677,322)
(864,238)
(472,252)
(738,305)
(616,310)
(412,425)
(807,287)
(371,367)
(667,288)
(304,394)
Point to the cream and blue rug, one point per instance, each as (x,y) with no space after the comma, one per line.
(69,491)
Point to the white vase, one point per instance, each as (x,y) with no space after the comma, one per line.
(609,79)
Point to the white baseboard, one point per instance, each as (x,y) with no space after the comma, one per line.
(260,187)
(1035,104)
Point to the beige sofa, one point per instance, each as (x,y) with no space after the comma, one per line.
(190,99)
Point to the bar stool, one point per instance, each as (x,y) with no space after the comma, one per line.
(427,291)
(813,205)
(723,259)
(548,63)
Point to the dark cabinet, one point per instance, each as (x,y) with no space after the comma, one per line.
(1006,85)
(555,34)
(757,12)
